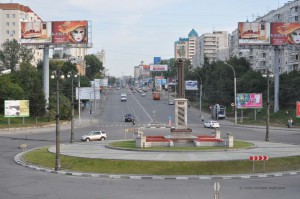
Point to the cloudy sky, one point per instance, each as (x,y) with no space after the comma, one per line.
(131,31)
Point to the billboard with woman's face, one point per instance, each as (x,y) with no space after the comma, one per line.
(285,33)
(72,32)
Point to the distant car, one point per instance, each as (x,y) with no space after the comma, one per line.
(94,135)
(143,94)
(211,124)
(129,117)
(171,102)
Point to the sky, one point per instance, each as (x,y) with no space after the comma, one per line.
(131,31)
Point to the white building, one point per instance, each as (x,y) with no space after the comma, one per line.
(213,46)
(11,16)
(186,47)
(263,58)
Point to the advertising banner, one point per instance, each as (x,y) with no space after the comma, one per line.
(158,67)
(285,33)
(160,82)
(191,85)
(36,32)
(249,100)
(156,60)
(69,32)
(16,108)
(298,109)
(253,33)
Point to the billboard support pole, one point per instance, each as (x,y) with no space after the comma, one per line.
(276,80)
(46,74)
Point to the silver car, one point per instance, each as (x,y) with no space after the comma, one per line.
(94,135)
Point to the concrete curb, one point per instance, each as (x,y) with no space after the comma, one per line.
(19,160)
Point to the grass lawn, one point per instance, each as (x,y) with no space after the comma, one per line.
(46,159)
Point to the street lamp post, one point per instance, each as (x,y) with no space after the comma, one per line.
(72,75)
(267,138)
(57,74)
(200,94)
(235,108)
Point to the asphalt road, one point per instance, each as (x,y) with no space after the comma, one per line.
(18,182)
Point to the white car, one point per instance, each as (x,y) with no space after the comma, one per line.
(171,102)
(211,124)
(143,94)
(94,135)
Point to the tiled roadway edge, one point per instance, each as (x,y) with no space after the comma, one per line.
(19,160)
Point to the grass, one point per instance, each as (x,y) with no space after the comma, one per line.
(44,158)
(131,146)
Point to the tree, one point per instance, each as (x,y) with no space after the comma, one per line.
(93,66)
(31,81)
(13,52)
(9,90)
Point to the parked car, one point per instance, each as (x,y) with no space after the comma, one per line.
(212,124)
(143,94)
(94,135)
(129,117)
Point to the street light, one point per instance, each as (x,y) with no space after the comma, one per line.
(200,93)
(235,108)
(72,75)
(57,74)
(268,106)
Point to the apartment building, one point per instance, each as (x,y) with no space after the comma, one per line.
(186,47)
(264,57)
(11,16)
(213,46)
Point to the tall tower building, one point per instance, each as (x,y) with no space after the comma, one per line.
(185,47)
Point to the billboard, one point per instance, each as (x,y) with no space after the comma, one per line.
(69,32)
(158,67)
(285,33)
(37,32)
(16,108)
(191,85)
(254,33)
(298,109)
(248,100)
(156,60)
(87,93)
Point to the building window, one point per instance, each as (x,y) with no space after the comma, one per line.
(14,15)
(7,15)
(7,23)
(7,32)
(296,18)
(14,32)
(14,23)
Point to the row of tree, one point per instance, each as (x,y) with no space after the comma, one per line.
(25,80)
(218,81)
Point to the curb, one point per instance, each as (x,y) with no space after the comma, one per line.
(19,160)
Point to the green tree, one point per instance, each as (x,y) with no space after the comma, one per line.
(13,52)
(31,82)
(94,66)
(9,90)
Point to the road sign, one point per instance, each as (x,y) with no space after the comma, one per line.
(259,158)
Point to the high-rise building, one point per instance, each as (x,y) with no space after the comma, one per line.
(185,47)
(263,58)
(213,46)
(11,16)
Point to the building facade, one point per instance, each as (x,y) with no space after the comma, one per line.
(213,46)
(11,16)
(186,47)
(263,58)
